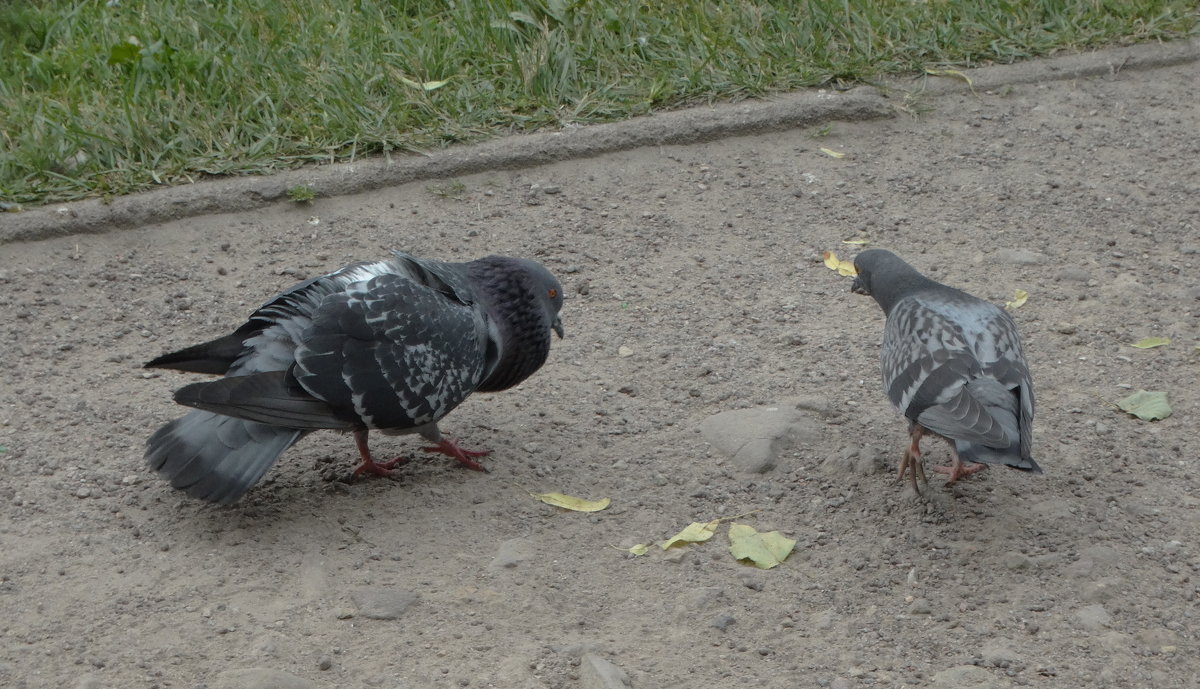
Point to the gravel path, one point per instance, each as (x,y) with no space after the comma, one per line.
(695,288)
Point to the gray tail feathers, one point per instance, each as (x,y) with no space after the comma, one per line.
(1008,456)
(216,458)
(211,357)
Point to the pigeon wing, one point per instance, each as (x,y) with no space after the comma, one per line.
(274,398)
(448,279)
(396,351)
(927,361)
(266,340)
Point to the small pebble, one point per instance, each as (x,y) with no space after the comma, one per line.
(723,621)
(920,606)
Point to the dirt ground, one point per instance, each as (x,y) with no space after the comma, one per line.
(694,287)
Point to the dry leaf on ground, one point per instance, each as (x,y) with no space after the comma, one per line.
(1146,405)
(570,502)
(950,73)
(764,550)
(844,268)
(1151,342)
(1020,296)
(695,532)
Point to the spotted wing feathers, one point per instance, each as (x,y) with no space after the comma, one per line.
(396,354)
(954,364)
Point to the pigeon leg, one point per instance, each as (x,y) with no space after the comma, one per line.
(912,458)
(451,449)
(958,469)
(369,465)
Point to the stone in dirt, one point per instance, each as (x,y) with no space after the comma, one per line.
(968,677)
(920,606)
(723,621)
(512,553)
(262,678)
(383,603)
(1020,257)
(999,653)
(756,438)
(598,673)
(1093,617)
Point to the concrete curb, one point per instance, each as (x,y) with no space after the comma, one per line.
(1111,62)
(694,125)
(234,194)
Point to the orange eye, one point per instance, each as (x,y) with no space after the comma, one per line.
(553,293)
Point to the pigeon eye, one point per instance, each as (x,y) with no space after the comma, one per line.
(553,293)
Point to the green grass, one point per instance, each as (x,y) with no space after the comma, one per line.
(453,189)
(98,100)
(301,193)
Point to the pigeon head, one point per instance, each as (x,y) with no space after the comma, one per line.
(548,292)
(886,277)
(523,300)
(536,283)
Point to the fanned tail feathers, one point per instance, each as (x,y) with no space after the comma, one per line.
(216,458)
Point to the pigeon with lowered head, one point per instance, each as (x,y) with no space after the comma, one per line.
(953,364)
(392,345)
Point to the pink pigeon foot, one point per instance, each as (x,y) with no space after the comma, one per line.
(368,465)
(958,469)
(451,449)
(912,459)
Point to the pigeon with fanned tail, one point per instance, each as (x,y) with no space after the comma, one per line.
(953,364)
(392,345)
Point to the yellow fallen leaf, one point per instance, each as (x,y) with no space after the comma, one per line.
(639,549)
(423,85)
(1151,342)
(1020,296)
(832,153)
(764,550)
(570,502)
(856,242)
(844,268)
(949,73)
(696,532)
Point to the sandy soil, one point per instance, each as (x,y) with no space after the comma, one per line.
(703,263)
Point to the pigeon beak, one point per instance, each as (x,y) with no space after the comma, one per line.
(859,287)
(556,326)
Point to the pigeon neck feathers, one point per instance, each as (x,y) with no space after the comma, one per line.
(888,279)
(522,300)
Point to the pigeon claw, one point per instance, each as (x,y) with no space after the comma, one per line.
(383,469)
(451,449)
(958,469)
(369,465)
